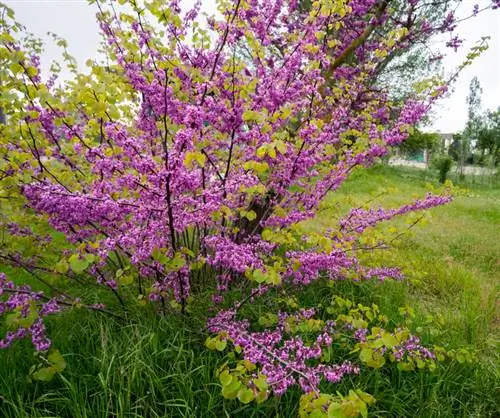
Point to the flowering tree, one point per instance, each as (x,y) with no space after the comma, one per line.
(186,165)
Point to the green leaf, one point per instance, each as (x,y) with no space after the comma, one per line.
(250,215)
(188,252)
(262,151)
(12,320)
(45,374)
(406,366)
(57,360)
(259,276)
(273,277)
(193,157)
(260,167)
(245,395)
(231,391)
(281,147)
(261,383)
(220,345)
(248,365)
(389,340)
(334,411)
(267,235)
(126,279)
(420,363)
(210,343)
(371,358)
(268,320)
(326,355)
(176,263)
(27,321)
(113,111)
(261,396)
(156,254)
(359,323)
(365,397)
(363,410)
(62,266)
(78,265)
(226,378)
(252,116)
(16,68)
(378,361)
(318,413)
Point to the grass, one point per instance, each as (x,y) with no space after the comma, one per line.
(454,260)
(158,367)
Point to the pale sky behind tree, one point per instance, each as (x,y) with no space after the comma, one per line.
(74,20)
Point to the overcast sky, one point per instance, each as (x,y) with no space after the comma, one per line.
(74,20)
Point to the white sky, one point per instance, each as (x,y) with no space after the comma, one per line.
(74,20)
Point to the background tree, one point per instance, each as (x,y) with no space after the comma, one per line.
(488,140)
(419,141)
(462,149)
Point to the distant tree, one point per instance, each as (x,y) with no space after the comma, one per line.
(473,101)
(461,148)
(488,139)
(419,141)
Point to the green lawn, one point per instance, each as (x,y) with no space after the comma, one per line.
(158,367)
(452,262)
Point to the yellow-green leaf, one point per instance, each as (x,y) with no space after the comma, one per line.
(45,374)
(57,360)
(245,395)
(261,151)
(78,265)
(220,345)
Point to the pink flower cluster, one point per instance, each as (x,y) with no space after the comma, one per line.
(284,361)
(24,304)
(360,219)
(206,162)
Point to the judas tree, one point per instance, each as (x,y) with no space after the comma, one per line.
(185,166)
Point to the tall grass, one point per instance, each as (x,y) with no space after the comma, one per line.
(157,366)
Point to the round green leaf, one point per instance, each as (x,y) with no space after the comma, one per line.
(245,395)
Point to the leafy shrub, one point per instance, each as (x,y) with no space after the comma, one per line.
(442,163)
(185,166)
